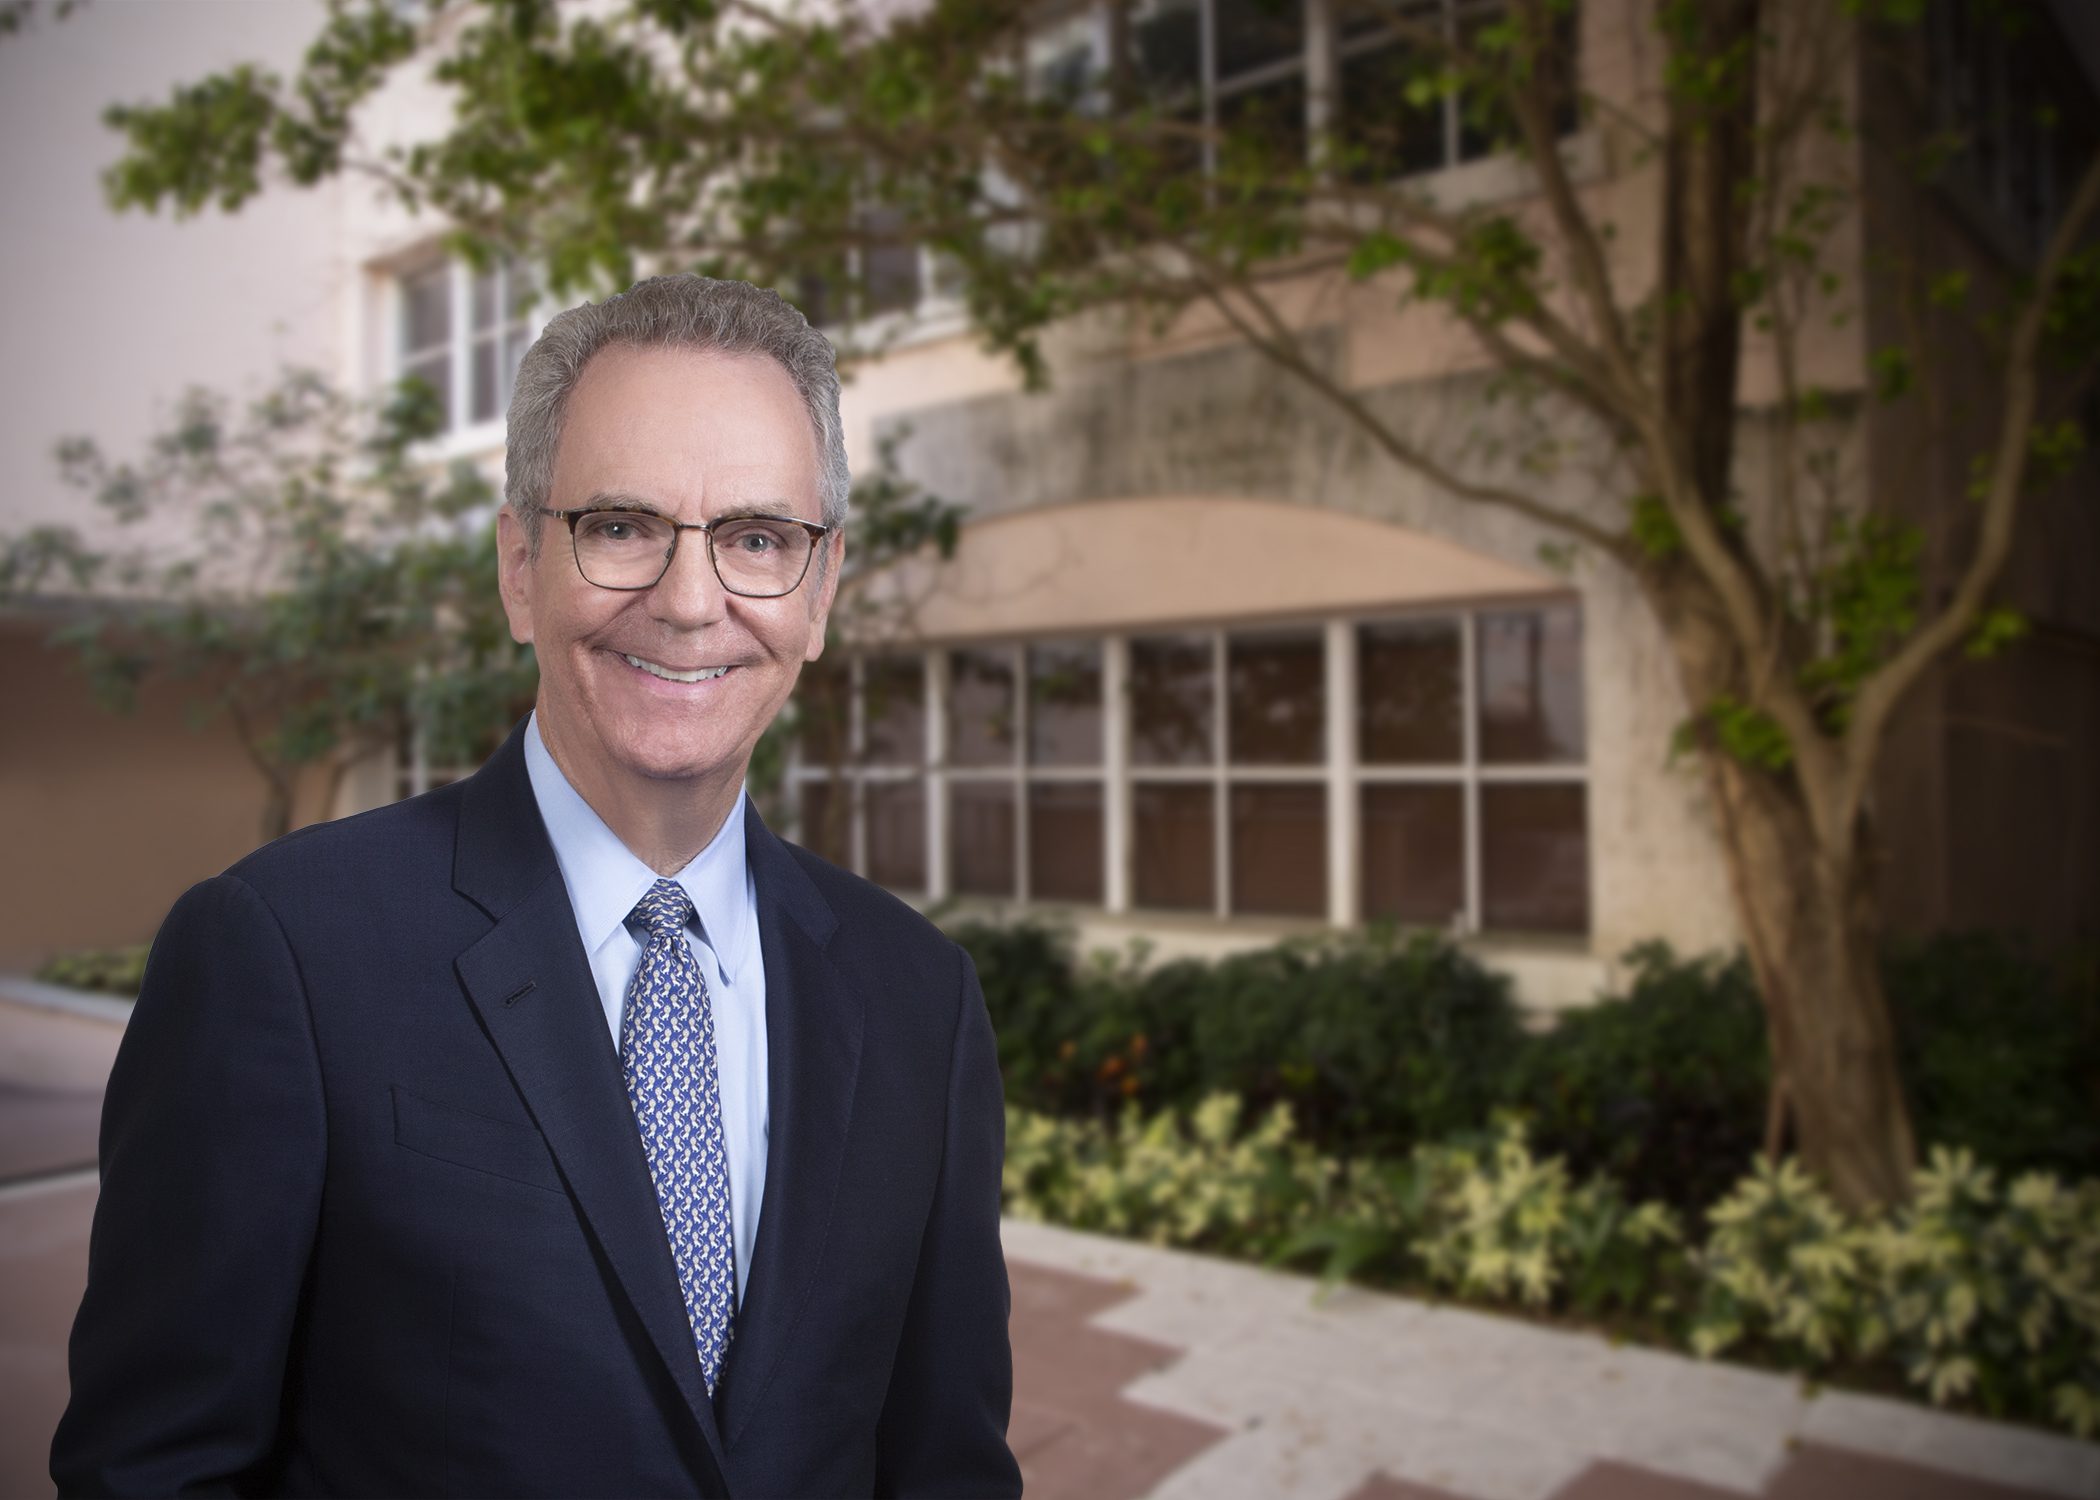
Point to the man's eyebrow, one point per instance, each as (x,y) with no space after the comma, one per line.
(780,509)
(614,501)
(620,502)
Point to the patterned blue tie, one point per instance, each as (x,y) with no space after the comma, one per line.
(667,1051)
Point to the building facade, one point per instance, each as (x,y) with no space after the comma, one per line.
(1208,669)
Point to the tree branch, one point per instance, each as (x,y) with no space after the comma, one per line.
(1882,690)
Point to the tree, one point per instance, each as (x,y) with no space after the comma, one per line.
(298,576)
(784,145)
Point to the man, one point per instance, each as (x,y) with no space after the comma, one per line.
(562,1131)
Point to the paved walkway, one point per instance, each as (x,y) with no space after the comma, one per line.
(1370,1397)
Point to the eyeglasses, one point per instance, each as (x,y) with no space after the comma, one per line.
(757,557)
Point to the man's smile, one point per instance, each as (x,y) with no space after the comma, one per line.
(668,674)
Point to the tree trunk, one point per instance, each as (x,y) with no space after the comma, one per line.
(1809,919)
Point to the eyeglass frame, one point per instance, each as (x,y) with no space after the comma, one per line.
(816,532)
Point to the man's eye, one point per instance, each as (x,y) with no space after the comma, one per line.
(616,529)
(754,541)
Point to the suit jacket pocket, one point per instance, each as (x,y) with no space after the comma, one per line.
(516,1152)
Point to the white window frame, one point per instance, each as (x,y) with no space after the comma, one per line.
(462,436)
(1340,773)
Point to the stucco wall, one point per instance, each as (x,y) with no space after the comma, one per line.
(1219,421)
(104,821)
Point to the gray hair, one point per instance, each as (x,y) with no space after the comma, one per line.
(667,312)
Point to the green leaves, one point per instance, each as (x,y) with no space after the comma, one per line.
(1741,732)
(312,580)
(204,147)
(208,145)
(1653,529)
(1866,600)
(1996,629)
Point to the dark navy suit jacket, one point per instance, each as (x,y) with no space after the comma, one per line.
(376,1218)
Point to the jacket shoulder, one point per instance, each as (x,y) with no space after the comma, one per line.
(394,840)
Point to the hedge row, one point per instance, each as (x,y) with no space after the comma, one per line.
(1380,1045)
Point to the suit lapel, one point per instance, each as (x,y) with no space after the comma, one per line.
(531,983)
(814,1024)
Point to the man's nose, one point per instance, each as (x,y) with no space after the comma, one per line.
(689,595)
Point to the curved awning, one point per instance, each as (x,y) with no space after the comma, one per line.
(1168,560)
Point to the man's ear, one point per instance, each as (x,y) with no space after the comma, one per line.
(827,591)
(514,573)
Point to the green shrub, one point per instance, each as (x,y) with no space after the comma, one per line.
(1197,1182)
(115,971)
(1374,1044)
(1664,1089)
(2002,1056)
(1379,1046)
(1974,1292)
(1971,1293)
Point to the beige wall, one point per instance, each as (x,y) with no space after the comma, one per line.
(104,820)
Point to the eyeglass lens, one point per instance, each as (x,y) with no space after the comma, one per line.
(756,556)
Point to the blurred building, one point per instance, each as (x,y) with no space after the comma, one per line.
(1207,669)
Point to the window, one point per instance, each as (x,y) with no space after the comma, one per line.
(1434,766)
(1250,66)
(2011,102)
(461,333)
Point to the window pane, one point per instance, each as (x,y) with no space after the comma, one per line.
(1408,686)
(1176,848)
(1064,841)
(890,270)
(484,301)
(821,707)
(1064,703)
(1386,133)
(1256,33)
(1535,858)
(488,402)
(981,837)
(1531,686)
(436,373)
(895,710)
(426,311)
(981,708)
(1414,853)
(1167,36)
(825,830)
(1278,688)
(1171,687)
(1279,849)
(897,834)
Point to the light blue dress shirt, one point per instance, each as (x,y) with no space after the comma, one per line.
(605,880)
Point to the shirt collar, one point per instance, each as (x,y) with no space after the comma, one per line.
(606,879)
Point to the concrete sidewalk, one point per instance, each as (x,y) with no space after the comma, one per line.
(1370,1397)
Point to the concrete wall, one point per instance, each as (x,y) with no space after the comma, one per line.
(104,821)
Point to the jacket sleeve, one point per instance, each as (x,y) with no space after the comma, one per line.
(213,1152)
(943,1426)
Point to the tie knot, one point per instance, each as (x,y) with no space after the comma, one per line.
(665,911)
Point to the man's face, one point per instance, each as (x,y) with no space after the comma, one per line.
(694,437)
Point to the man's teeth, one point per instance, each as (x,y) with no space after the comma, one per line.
(670,676)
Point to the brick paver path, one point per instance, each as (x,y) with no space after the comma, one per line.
(1370,1397)
(43,1271)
